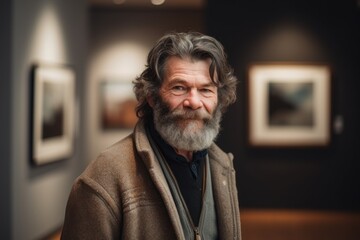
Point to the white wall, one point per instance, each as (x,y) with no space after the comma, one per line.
(45,31)
(119,43)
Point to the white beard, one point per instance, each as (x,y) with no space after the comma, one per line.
(185,129)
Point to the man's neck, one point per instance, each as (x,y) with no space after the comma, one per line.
(186,154)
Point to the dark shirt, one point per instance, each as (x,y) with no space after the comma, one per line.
(189,175)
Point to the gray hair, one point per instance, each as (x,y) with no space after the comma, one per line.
(191,45)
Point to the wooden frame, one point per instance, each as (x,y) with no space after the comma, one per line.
(289,105)
(118,103)
(53,101)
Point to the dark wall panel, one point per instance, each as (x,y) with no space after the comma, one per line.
(295,31)
(5,130)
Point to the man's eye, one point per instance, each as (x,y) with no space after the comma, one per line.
(207,91)
(179,88)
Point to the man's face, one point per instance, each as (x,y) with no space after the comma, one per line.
(187,87)
(187,116)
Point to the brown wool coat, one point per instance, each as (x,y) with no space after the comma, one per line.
(124,195)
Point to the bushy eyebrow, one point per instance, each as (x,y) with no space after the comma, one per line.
(181,81)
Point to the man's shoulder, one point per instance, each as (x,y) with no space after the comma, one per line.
(119,149)
(105,176)
(121,157)
(115,159)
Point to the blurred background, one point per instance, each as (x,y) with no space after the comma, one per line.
(285,192)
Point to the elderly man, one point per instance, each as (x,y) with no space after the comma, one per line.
(167,180)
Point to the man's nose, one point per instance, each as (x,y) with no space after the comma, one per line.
(193,100)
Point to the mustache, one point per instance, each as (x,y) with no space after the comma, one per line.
(198,114)
(181,113)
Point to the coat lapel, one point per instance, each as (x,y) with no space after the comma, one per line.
(146,153)
(223,180)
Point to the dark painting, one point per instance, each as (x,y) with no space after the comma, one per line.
(53,110)
(291,104)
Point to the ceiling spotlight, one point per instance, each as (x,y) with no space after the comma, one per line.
(157,2)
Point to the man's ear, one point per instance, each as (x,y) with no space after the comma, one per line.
(150,101)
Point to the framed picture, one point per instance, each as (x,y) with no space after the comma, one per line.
(53,101)
(289,105)
(118,103)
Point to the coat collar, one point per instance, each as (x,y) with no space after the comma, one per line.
(224,190)
(146,153)
(220,165)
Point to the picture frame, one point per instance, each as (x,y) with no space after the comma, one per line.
(289,105)
(52,120)
(117,105)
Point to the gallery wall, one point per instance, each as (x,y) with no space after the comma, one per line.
(45,32)
(297,32)
(119,42)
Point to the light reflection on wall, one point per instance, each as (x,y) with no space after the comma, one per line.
(124,60)
(48,43)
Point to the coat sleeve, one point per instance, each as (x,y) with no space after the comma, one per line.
(91,213)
